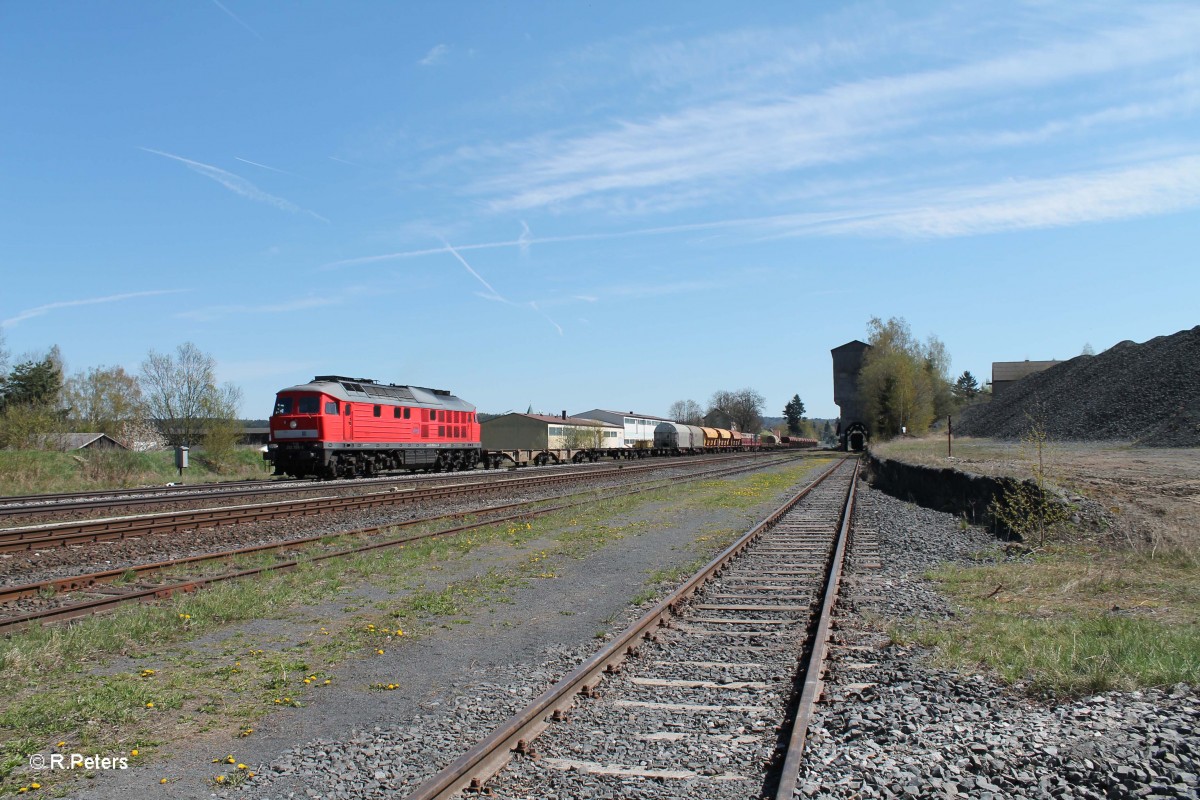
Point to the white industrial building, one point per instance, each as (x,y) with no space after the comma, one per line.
(639,428)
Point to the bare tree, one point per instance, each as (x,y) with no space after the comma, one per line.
(687,412)
(743,407)
(182,395)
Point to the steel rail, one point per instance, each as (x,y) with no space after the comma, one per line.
(65,534)
(489,756)
(790,771)
(13,504)
(46,504)
(91,607)
(83,582)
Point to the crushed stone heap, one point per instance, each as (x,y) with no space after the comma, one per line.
(1148,393)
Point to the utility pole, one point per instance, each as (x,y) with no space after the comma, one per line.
(949,435)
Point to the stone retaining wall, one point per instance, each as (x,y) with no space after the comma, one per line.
(942,489)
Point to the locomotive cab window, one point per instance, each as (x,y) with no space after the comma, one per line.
(331,407)
(378,411)
(396,412)
(309,405)
(283,405)
(407,413)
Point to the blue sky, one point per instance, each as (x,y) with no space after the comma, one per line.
(613,205)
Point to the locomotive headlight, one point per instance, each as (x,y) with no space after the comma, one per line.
(292,424)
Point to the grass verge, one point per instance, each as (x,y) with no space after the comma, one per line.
(40,472)
(1070,621)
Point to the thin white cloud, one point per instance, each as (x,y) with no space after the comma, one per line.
(210,313)
(492,293)
(546,316)
(237,184)
(30,313)
(343,161)
(520,242)
(264,166)
(1162,187)
(524,239)
(730,141)
(491,289)
(236,18)
(436,55)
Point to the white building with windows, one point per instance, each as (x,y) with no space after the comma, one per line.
(638,428)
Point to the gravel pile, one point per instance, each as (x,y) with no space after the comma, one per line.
(1148,392)
(898,727)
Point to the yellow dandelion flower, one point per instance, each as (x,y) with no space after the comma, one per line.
(133,753)
(35,785)
(162,780)
(242,766)
(249,774)
(149,705)
(62,744)
(219,779)
(327,681)
(230,760)
(379,652)
(23,790)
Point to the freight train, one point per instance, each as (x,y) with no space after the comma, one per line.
(339,427)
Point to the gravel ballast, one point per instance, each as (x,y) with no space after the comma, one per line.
(898,727)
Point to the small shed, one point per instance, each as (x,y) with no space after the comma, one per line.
(1006,373)
(68,442)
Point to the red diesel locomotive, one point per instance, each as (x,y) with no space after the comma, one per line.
(337,427)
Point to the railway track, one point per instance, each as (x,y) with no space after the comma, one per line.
(79,532)
(83,595)
(707,670)
(33,507)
